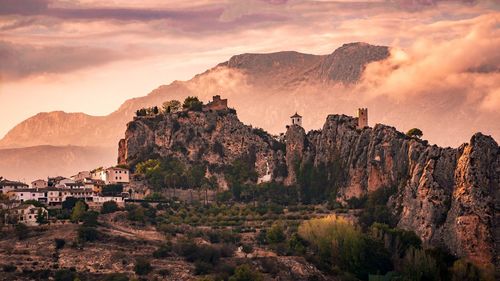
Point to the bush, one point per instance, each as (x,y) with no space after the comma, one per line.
(163,252)
(276,234)
(86,233)
(339,243)
(202,268)
(78,211)
(245,273)
(464,270)
(22,231)
(90,218)
(9,268)
(59,243)
(415,132)
(192,103)
(109,207)
(142,266)
(65,275)
(112,190)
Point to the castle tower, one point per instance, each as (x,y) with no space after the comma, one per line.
(296,119)
(362,118)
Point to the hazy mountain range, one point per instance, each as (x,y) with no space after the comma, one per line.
(265,89)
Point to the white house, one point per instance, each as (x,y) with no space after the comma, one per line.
(112,175)
(29,194)
(7,185)
(25,213)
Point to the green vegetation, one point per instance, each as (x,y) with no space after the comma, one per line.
(415,133)
(319,183)
(78,211)
(22,231)
(112,190)
(142,266)
(171,106)
(245,273)
(339,244)
(109,207)
(150,111)
(59,243)
(193,104)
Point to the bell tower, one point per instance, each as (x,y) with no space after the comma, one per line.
(362,118)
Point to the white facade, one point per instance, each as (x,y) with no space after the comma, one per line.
(112,175)
(6,186)
(26,214)
(28,194)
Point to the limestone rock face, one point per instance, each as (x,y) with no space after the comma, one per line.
(216,138)
(447,196)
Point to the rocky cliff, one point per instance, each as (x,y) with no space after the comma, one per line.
(445,195)
(216,138)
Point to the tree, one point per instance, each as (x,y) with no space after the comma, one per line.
(78,211)
(22,231)
(142,266)
(193,104)
(59,243)
(415,133)
(41,216)
(276,234)
(155,110)
(109,207)
(245,273)
(171,106)
(112,189)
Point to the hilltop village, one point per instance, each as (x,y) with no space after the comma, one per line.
(30,203)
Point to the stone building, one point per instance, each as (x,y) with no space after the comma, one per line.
(362,118)
(216,104)
(296,119)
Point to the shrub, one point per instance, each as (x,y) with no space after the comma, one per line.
(109,207)
(142,266)
(245,273)
(192,103)
(464,270)
(339,243)
(59,243)
(86,233)
(276,234)
(112,189)
(163,251)
(22,231)
(420,266)
(65,275)
(78,211)
(9,268)
(90,218)
(415,132)
(202,268)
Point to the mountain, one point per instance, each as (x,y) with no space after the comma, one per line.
(446,196)
(282,70)
(30,163)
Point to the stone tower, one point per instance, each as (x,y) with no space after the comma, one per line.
(362,118)
(296,119)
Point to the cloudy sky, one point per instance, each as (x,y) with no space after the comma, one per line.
(90,55)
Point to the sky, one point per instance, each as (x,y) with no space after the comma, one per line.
(91,55)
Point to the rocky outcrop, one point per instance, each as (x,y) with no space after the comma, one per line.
(216,138)
(445,195)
